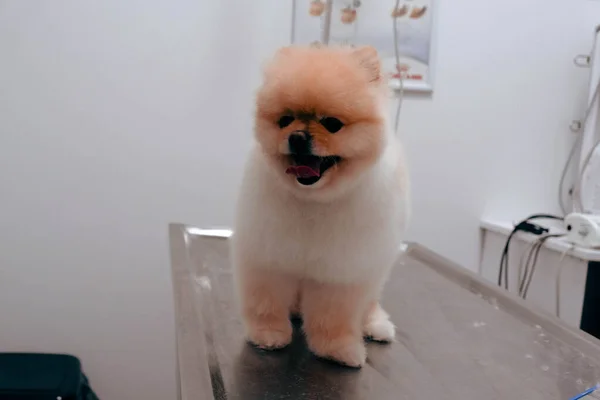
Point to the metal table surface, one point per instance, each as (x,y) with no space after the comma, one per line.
(458,338)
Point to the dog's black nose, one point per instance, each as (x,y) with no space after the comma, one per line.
(300,143)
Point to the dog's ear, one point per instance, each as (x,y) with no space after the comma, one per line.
(368,58)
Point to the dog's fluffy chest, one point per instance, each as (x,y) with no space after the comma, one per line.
(353,239)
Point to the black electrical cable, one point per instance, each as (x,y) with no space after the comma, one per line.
(530,269)
(530,264)
(525,226)
(504,260)
(540,244)
(525,274)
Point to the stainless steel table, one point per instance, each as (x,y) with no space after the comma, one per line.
(458,338)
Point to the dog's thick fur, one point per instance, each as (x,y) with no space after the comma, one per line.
(322,250)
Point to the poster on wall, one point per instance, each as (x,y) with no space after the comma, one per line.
(400,30)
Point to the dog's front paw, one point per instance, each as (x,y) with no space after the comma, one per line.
(347,351)
(270,337)
(378,326)
(380,330)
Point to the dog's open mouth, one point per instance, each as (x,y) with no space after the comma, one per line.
(309,169)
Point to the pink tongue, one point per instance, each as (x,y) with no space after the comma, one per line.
(302,171)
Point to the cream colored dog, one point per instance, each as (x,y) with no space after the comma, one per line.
(323,205)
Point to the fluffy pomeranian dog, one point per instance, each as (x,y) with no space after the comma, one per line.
(323,204)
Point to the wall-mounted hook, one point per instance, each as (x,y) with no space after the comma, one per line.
(582,60)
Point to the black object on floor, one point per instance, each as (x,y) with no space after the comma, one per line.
(30,376)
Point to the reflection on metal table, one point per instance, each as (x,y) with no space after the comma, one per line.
(458,338)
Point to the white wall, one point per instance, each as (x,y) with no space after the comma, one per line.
(493,138)
(115,119)
(115,116)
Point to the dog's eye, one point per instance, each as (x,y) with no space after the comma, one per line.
(332,124)
(284,121)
